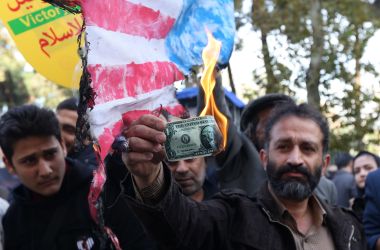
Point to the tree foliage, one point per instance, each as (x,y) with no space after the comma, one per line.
(12,88)
(324,44)
(20,84)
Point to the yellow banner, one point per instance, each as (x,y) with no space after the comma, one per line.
(47,37)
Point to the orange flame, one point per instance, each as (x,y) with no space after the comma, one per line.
(210,57)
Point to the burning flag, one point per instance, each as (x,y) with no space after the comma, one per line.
(138,48)
(135,51)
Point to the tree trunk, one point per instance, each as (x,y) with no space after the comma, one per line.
(261,19)
(6,90)
(357,95)
(230,77)
(272,84)
(313,74)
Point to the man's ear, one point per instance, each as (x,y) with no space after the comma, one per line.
(9,166)
(264,158)
(326,163)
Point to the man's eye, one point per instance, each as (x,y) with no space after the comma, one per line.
(368,167)
(283,146)
(170,163)
(50,154)
(68,129)
(29,161)
(357,170)
(309,149)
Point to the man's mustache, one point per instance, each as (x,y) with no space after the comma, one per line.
(301,169)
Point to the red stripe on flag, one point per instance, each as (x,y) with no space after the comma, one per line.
(177,110)
(116,82)
(123,16)
(107,137)
(128,117)
(131,116)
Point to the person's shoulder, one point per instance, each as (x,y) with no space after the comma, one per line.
(326,182)
(373,177)
(78,171)
(13,214)
(345,214)
(231,192)
(235,195)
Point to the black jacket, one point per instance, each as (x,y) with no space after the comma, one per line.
(28,219)
(86,155)
(232,221)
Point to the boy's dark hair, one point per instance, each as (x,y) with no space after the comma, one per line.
(24,121)
(364,152)
(70,104)
(302,111)
(342,159)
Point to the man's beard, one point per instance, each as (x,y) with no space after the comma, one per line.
(293,188)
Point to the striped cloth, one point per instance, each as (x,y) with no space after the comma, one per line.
(139,48)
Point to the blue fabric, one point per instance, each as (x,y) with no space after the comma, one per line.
(188,38)
(192,92)
(371,216)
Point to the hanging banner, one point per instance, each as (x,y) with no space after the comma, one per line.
(47,38)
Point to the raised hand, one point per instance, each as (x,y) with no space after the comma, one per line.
(145,151)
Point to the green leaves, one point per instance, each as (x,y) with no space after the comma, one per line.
(325,42)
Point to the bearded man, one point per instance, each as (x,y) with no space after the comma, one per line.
(285,215)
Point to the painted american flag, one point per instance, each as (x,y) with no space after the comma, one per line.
(139,48)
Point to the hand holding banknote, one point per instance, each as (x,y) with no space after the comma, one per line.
(182,139)
(190,138)
(143,157)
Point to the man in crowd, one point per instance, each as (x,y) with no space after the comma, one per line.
(238,166)
(253,122)
(67,116)
(285,215)
(50,208)
(7,181)
(372,209)
(190,174)
(364,163)
(344,179)
(255,116)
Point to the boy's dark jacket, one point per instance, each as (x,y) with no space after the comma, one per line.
(28,217)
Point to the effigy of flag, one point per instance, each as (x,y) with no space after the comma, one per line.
(136,50)
(140,48)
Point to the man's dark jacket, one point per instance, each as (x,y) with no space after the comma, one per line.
(27,220)
(86,155)
(345,186)
(238,165)
(232,221)
(371,216)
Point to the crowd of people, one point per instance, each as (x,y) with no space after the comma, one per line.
(266,190)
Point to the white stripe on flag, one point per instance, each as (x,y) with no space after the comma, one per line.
(106,114)
(168,7)
(115,48)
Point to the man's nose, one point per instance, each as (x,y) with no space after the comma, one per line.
(182,167)
(44,169)
(295,157)
(362,172)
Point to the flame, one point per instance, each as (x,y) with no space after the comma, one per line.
(210,57)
